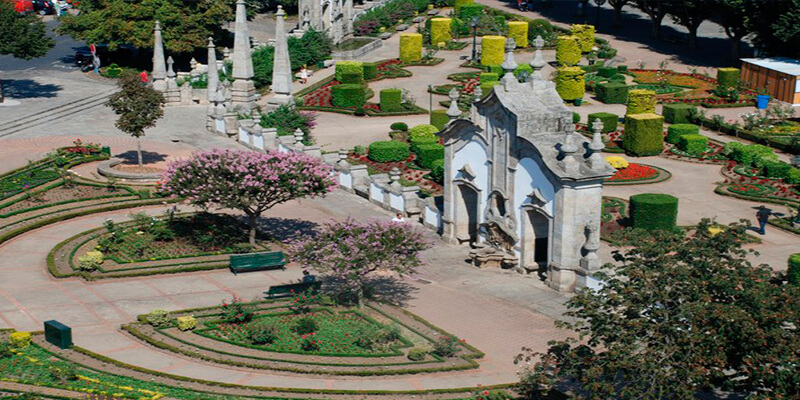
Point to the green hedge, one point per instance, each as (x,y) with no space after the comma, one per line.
(609,120)
(751,155)
(653,211)
(641,101)
(423,130)
(674,132)
(612,93)
(693,144)
(344,67)
(349,95)
(570,83)
(418,141)
(607,72)
(388,151)
(728,77)
(391,99)
(776,169)
(399,126)
(467,11)
(576,118)
(428,153)
(352,77)
(437,171)
(370,71)
(644,135)
(488,77)
(439,118)
(677,113)
(793,274)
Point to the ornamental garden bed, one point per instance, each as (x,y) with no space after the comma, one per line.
(150,245)
(376,340)
(694,88)
(636,174)
(713,154)
(747,183)
(411,174)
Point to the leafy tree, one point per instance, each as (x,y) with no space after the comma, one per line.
(186,24)
(138,107)
(247,181)
(733,15)
(677,316)
(656,10)
(286,119)
(23,37)
(312,47)
(617,5)
(775,26)
(690,14)
(351,251)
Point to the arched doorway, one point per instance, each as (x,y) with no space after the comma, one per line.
(466,218)
(535,240)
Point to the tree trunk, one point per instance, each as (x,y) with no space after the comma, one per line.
(252,220)
(360,295)
(139,149)
(736,47)
(693,36)
(617,16)
(656,32)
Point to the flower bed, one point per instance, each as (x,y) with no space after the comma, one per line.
(637,173)
(411,175)
(713,155)
(750,189)
(698,88)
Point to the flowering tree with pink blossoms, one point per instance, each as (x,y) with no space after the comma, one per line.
(350,251)
(248,181)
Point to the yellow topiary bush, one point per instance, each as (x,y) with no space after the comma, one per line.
(641,101)
(570,83)
(492,50)
(186,323)
(585,35)
(617,162)
(410,47)
(19,340)
(568,50)
(440,30)
(90,261)
(518,30)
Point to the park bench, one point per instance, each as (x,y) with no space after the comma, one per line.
(288,289)
(257,261)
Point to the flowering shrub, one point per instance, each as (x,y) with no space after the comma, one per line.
(90,261)
(19,340)
(158,318)
(634,172)
(186,323)
(236,312)
(617,162)
(302,302)
(749,189)
(447,346)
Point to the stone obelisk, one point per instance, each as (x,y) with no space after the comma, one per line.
(159,63)
(243,90)
(281,66)
(213,74)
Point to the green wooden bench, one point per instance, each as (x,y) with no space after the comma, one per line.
(286,290)
(257,261)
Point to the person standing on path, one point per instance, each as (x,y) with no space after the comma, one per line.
(303,75)
(762,215)
(398,219)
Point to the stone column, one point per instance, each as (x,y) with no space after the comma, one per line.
(243,89)
(159,63)
(213,74)
(282,67)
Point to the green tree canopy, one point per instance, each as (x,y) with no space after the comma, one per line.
(677,316)
(22,36)
(138,107)
(186,24)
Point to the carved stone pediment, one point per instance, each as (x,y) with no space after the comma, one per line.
(537,198)
(467,173)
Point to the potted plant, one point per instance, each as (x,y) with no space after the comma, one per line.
(762,98)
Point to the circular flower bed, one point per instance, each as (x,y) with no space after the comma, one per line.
(634,172)
(750,189)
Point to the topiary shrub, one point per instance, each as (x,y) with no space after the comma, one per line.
(793,273)
(523,71)
(352,77)
(753,155)
(570,83)
(344,67)
(776,169)
(457,4)
(440,31)
(793,176)
(417,354)
(609,121)
(439,118)
(674,132)
(399,126)
(391,99)
(388,151)
(518,30)
(492,50)
(644,135)
(428,153)
(653,211)
(186,323)
(19,340)
(158,318)
(728,77)
(677,113)
(423,130)
(612,93)
(693,144)
(370,71)
(90,261)
(418,141)
(469,11)
(585,35)
(410,47)
(607,72)
(641,101)
(568,50)
(437,171)
(488,77)
(349,95)
(576,118)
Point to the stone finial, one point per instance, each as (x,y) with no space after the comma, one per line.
(170,71)
(298,137)
(159,63)
(537,63)
(591,261)
(394,177)
(453,112)
(596,146)
(343,153)
(255,115)
(568,150)
(242,61)
(193,64)
(478,93)
(509,63)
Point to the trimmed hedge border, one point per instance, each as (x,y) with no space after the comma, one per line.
(130,191)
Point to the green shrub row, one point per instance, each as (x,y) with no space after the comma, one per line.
(388,151)
(612,93)
(654,211)
(674,132)
(428,153)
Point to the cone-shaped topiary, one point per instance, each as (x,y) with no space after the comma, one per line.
(518,30)
(410,47)
(641,101)
(440,31)
(570,83)
(585,34)
(492,50)
(568,50)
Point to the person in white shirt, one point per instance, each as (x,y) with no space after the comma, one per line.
(398,218)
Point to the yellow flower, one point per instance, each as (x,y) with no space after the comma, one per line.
(715,230)
(617,162)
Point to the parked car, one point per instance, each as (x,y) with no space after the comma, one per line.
(124,53)
(43,7)
(23,6)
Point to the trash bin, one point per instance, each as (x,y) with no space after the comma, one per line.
(762,101)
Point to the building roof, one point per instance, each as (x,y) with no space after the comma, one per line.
(781,64)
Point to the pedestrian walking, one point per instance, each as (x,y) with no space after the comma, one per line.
(762,215)
(308,278)
(303,75)
(143,76)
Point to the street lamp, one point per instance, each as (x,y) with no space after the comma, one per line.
(599,3)
(474,25)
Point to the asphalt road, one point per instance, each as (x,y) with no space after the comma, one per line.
(60,57)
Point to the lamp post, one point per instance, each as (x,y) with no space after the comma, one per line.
(474,25)
(430,99)
(599,3)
